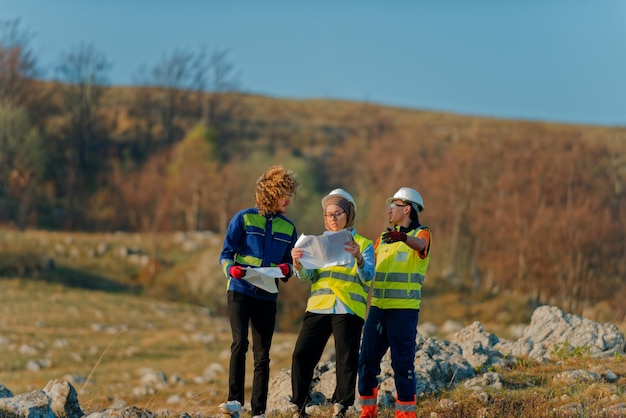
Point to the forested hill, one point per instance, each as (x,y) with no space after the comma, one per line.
(532,207)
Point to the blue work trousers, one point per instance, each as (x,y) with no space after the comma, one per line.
(394,329)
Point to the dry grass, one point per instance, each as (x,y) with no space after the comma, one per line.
(98,330)
(103,337)
(529,391)
(100,341)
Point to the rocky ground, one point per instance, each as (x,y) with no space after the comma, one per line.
(470,370)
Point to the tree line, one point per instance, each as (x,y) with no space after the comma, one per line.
(64,141)
(536,208)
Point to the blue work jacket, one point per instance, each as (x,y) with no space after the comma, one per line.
(255,240)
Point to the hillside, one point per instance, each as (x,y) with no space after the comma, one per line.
(184,267)
(516,207)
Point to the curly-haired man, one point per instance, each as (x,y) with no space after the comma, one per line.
(256,237)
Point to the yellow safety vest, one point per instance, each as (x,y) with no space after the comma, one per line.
(340,282)
(400,274)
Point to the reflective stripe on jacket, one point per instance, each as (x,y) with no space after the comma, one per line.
(399,276)
(341,282)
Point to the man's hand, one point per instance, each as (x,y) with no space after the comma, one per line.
(236,272)
(286,270)
(393,236)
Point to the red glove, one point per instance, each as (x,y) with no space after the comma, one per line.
(286,270)
(393,236)
(236,272)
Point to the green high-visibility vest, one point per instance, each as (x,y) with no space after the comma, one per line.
(400,274)
(340,282)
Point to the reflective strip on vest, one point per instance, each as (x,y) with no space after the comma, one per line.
(353,296)
(339,276)
(401,277)
(397,293)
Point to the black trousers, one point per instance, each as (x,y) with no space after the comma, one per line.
(314,334)
(244,311)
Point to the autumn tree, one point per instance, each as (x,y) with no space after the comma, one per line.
(21,163)
(144,199)
(194,182)
(540,225)
(586,240)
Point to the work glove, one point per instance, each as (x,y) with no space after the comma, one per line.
(236,272)
(393,236)
(286,270)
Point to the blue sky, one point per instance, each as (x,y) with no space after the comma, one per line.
(547,60)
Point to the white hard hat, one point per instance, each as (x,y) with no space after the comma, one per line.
(340,193)
(409,195)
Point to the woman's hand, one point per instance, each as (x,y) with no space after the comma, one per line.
(296,254)
(353,248)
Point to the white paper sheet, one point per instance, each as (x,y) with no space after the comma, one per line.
(324,250)
(263,277)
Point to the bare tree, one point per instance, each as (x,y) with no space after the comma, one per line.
(163,93)
(17,64)
(84,74)
(186,83)
(217,77)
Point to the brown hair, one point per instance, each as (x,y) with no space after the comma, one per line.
(275,183)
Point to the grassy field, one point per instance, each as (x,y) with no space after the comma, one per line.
(88,321)
(101,342)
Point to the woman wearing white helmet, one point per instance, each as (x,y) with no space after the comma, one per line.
(336,306)
(402,256)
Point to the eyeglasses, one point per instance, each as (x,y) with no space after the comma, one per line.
(392,206)
(334,215)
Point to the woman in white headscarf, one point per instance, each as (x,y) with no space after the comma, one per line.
(336,306)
